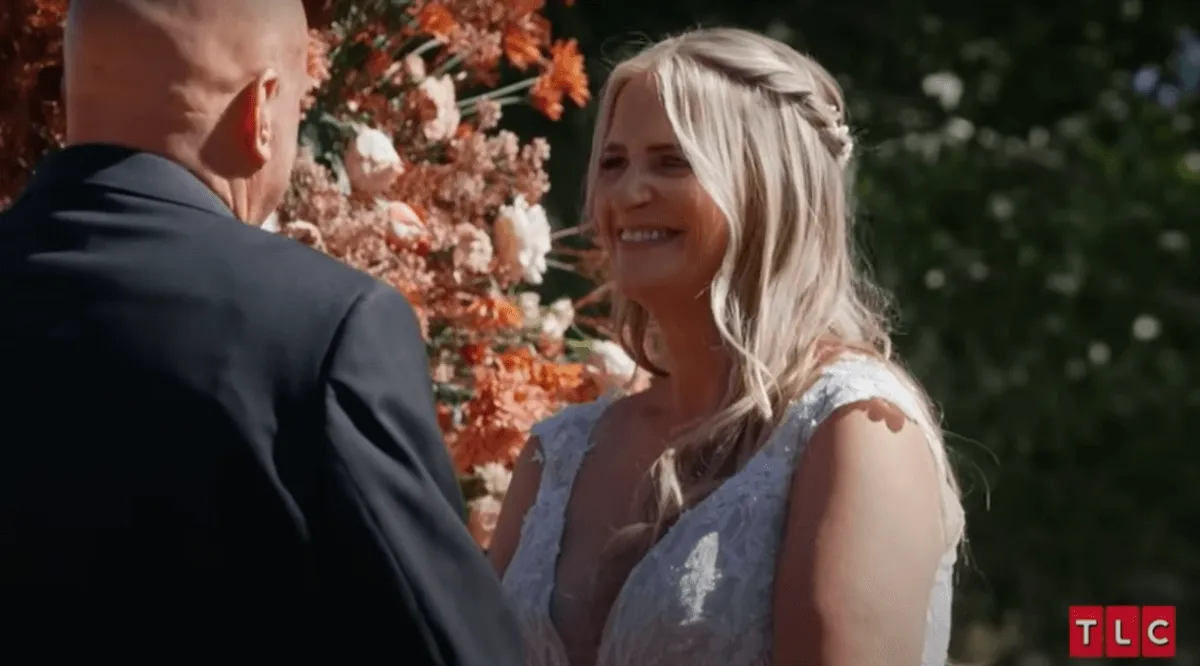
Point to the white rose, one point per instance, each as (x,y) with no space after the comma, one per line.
(523,239)
(558,319)
(440,90)
(530,303)
(414,67)
(372,163)
(608,363)
(495,479)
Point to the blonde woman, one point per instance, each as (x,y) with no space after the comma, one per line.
(781,495)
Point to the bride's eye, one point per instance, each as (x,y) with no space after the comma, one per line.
(675,163)
(611,162)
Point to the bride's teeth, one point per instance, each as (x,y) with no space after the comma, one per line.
(640,235)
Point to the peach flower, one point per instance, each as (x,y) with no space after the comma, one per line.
(440,91)
(406,224)
(484,513)
(472,249)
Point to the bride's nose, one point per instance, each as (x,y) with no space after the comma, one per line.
(633,188)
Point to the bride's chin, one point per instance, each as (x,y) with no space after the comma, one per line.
(652,281)
(651,295)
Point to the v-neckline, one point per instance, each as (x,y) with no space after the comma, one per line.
(603,406)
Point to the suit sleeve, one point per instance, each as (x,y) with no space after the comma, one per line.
(395,562)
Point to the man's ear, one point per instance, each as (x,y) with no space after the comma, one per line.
(258,125)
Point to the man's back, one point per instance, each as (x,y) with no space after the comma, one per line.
(210,430)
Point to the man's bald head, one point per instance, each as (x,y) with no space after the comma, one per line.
(213,84)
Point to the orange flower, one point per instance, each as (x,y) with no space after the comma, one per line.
(445,416)
(521,47)
(497,419)
(564,75)
(47,13)
(494,312)
(508,314)
(523,8)
(474,353)
(377,63)
(519,360)
(435,20)
(480,445)
(559,376)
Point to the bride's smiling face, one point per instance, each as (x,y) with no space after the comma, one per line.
(665,235)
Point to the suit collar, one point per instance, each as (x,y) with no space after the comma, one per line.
(119,168)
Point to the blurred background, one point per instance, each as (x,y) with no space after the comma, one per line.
(1029,189)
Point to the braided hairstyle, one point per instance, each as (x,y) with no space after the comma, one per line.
(766,132)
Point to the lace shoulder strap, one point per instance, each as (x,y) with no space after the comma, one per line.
(565,437)
(854,379)
(857,378)
(562,441)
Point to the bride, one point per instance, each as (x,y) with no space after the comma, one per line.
(780,496)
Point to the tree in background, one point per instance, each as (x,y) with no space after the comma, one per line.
(405,175)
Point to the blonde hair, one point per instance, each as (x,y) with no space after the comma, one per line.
(766,133)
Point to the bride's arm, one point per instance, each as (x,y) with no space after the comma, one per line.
(522,491)
(861,545)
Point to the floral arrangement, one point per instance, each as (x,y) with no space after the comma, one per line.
(405,174)
(30,79)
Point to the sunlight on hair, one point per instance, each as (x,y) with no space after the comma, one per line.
(766,133)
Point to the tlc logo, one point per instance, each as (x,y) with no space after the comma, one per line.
(1122,631)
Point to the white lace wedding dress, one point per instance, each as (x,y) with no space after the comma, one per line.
(703,594)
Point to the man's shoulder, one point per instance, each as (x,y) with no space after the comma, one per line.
(284,299)
(269,265)
(279,290)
